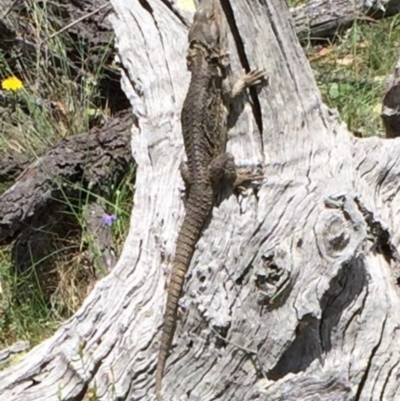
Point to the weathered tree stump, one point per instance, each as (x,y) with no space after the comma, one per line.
(292,293)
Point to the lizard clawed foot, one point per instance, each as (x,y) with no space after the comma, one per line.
(244,178)
(255,77)
(247,80)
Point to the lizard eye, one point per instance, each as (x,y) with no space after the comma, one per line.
(213,60)
(189,61)
(224,60)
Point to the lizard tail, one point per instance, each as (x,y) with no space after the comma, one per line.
(198,209)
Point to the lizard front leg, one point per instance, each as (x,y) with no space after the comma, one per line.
(247,80)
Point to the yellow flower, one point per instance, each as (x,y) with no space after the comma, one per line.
(91,394)
(12,84)
(187,5)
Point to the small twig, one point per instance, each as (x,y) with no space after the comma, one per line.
(75,22)
(250,351)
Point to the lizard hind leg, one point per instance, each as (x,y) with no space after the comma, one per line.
(222,168)
(185,174)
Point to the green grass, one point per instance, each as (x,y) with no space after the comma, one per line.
(352,73)
(57,100)
(34,302)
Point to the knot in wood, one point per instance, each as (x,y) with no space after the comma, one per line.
(336,233)
(341,228)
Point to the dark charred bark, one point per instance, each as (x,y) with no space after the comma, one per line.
(91,161)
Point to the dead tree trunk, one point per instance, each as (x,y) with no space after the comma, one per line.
(321,19)
(292,293)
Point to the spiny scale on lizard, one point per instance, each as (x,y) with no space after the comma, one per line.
(204,122)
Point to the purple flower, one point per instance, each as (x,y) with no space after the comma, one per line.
(108,219)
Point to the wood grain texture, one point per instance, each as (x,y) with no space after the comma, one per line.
(292,290)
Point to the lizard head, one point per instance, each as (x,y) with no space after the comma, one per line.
(209,34)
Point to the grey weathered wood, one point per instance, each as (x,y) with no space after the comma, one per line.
(320,19)
(7,353)
(292,292)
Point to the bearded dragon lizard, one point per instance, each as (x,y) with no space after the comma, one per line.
(204,122)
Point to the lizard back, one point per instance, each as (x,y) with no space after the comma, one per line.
(204,115)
